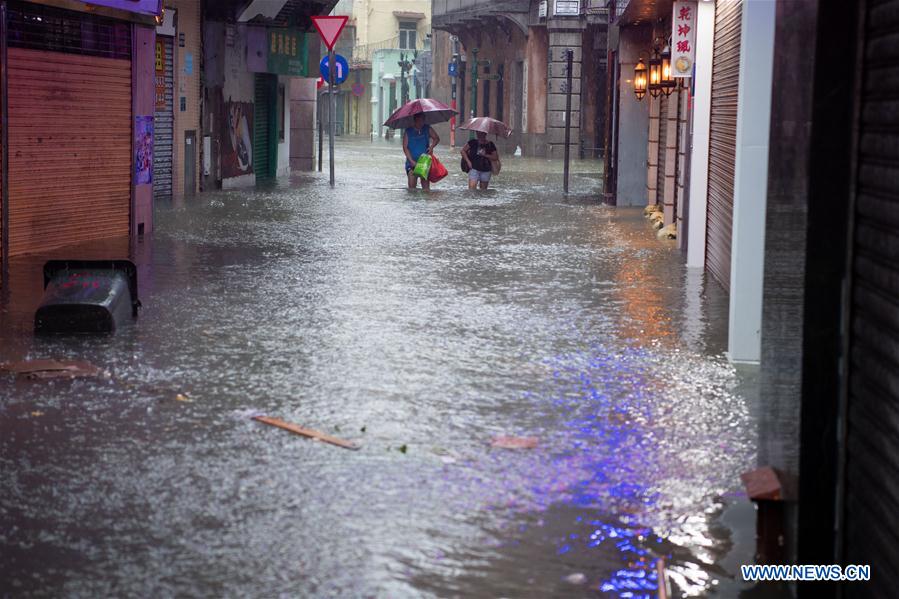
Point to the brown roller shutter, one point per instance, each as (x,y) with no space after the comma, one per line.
(723,138)
(70,133)
(2,174)
(872,428)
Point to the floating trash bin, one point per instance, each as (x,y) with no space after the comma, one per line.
(87,296)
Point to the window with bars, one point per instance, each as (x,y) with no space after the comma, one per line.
(40,27)
(408,34)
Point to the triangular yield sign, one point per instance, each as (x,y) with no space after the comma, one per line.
(329,28)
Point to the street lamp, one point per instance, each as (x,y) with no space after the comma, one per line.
(655,75)
(667,80)
(640,79)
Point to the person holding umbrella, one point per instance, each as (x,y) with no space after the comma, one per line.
(480,155)
(416,118)
(418,139)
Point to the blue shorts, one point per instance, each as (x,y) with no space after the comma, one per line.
(482,176)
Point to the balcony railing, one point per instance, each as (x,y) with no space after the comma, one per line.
(363,53)
(598,8)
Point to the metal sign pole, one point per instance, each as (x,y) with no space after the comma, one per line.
(453,103)
(474,87)
(4,134)
(321,135)
(332,102)
(570,58)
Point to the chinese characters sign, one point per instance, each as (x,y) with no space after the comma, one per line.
(567,8)
(160,75)
(288,52)
(683,38)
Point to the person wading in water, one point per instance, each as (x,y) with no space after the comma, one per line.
(417,140)
(479,154)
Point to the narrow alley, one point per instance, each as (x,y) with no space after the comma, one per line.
(422,327)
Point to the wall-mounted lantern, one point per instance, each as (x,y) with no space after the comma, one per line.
(640,79)
(655,75)
(668,84)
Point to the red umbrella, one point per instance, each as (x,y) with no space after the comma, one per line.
(487,125)
(433,111)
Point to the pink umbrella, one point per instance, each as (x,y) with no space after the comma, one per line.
(487,125)
(433,111)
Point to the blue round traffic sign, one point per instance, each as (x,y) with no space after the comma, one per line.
(341,69)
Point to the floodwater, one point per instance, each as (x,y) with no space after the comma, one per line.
(421,327)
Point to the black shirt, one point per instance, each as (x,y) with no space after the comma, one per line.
(479,162)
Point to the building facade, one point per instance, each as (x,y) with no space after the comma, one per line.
(260,67)
(697,146)
(176,151)
(77,152)
(379,36)
(510,62)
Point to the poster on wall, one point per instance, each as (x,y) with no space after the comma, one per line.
(683,38)
(237,153)
(143,150)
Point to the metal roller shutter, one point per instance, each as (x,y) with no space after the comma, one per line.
(2,199)
(70,125)
(261,128)
(872,431)
(663,149)
(723,138)
(164,126)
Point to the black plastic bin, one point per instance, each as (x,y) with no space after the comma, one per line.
(87,296)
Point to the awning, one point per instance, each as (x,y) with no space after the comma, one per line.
(639,12)
(402,14)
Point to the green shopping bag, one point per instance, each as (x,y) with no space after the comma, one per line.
(423,166)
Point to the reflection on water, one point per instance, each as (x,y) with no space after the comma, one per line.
(428,323)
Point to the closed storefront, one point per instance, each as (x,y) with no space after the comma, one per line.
(723,139)
(264,150)
(70,127)
(872,425)
(164,120)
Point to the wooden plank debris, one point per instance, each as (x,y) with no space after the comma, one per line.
(50,369)
(306,432)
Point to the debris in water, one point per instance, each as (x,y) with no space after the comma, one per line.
(37,413)
(182,397)
(505,442)
(306,432)
(576,578)
(53,369)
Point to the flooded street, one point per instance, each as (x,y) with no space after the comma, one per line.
(420,327)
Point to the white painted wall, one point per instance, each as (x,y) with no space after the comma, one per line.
(633,120)
(239,86)
(699,160)
(284,146)
(751,180)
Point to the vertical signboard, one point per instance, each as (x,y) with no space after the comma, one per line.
(683,38)
(288,52)
(160,75)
